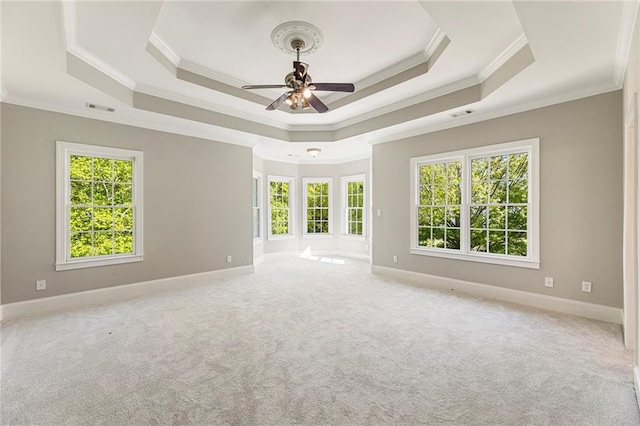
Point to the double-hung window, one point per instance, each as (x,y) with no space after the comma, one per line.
(317,206)
(353,205)
(99,206)
(280,207)
(478,204)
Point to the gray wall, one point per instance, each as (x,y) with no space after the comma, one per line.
(197,203)
(581,199)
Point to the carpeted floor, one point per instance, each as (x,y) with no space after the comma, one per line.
(312,343)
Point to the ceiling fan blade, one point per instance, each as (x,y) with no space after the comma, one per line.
(264,86)
(317,104)
(275,104)
(334,87)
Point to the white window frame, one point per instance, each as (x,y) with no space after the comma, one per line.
(258,176)
(306,181)
(64,150)
(344,180)
(292,187)
(529,146)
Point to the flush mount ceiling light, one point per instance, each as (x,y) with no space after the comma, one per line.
(314,152)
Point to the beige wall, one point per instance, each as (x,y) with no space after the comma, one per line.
(197,203)
(580,191)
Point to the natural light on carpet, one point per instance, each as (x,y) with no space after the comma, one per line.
(306,254)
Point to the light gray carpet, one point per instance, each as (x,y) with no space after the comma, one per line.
(306,342)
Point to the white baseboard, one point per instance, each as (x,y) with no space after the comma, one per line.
(1,313)
(542,301)
(117,293)
(636,382)
(258,260)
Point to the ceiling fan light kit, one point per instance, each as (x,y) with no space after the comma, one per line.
(300,37)
(314,152)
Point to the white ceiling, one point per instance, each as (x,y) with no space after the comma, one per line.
(60,56)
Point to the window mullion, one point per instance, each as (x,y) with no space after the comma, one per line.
(465,224)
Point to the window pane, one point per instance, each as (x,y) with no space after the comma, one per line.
(426,197)
(478,241)
(518,191)
(256,223)
(122,194)
(439,174)
(453,238)
(453,217)
(454,194)
(497,242)
(80,244)
(103,193)
(102,169)
(123,219)
(496,217)
(80,218)
(454,172)
(123,171)
(478,218)
(103,243)
(498,167)
(80,192)
(439,195)
(424,237)
(517,217)
(438,216)
(124,242)
(424,216)
(80,168)
(438,237)
(102,218)
(498,192)
(426,175)
(479,192)
(518,166)
(479,170)
(517,243)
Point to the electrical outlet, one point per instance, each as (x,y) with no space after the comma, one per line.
(228,259)
(41,285)
(586,286)
(548,281)
(395,259)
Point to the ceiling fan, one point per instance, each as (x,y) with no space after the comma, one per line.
(300,96)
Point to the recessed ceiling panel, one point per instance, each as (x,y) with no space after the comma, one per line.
(234,38)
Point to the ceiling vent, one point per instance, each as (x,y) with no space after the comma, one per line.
(100,107)
(462,113)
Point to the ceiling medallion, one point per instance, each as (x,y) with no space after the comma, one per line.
(283,34)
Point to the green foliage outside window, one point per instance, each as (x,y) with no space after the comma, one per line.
(355,207)
(498,209)
(318,208)
(100,206)
(279,204)
(439,205)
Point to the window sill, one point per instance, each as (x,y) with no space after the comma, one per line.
(91,263)
(317,236)
(353,237)
(281,237)
(476,257)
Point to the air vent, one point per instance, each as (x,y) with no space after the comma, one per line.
(100,107)
(462,113)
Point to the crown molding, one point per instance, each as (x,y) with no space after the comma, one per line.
(301,161)
(489,115)
(627,25)
(503,57)
(164,48)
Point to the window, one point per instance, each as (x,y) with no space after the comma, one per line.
(280,207)
(479,204)
(99,206)
(353,202)
(317,206)
(257,202)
